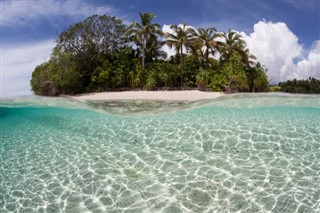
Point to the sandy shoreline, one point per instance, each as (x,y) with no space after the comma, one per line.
(184,95)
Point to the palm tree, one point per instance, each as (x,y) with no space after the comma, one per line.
(235,44)
(154,49)
(208,39)
(141,32)
(182,37)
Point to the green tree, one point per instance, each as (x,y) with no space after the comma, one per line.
(181,38)
(151,81)
(234,43)
(59,75)
(218,81)
(257,78)
(207,37)
(202,79)
(136,77)
(144,31)
(154,50)
(65,73)
(93,36)
(40,81)
(191,67)
(89,39)
(311,85)
(101,77)
(235,74)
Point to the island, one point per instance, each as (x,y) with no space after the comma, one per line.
(102,54)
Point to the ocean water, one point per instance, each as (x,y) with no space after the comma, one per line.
(240,153)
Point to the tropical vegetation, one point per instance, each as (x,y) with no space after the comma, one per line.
(310,85)
(101,53)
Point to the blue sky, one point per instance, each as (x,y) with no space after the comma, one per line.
(284,35)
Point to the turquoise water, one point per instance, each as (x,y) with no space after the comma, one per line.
(246,153)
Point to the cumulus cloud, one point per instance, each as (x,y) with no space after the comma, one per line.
(19,13)
(17,65)
(310,66)
(277,47)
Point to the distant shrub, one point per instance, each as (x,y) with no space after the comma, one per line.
(310,85)
(275,89)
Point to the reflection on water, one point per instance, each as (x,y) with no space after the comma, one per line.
(247,153)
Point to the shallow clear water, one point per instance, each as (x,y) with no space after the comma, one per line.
(244,153)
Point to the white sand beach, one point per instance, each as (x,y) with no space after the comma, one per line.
(185,95)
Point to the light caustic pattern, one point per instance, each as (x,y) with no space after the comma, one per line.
(222,157)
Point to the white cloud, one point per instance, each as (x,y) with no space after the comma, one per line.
(278,48)
(18,13)
(310,66)
(17,65)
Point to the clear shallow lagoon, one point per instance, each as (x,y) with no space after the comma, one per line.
(245,152)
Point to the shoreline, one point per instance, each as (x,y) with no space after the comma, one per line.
(184,95)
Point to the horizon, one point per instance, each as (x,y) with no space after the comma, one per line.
(279,38)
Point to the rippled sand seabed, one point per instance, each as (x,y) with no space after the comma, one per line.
(239,153)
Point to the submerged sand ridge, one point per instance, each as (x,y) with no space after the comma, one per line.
(187,95)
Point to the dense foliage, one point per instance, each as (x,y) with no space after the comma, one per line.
(101,54)
(310,85)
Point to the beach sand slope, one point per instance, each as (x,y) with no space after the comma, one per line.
(185,95)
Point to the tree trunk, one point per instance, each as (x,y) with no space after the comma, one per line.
(207,60)
(253,88)
(181,67)
(143,47)
(229,90)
